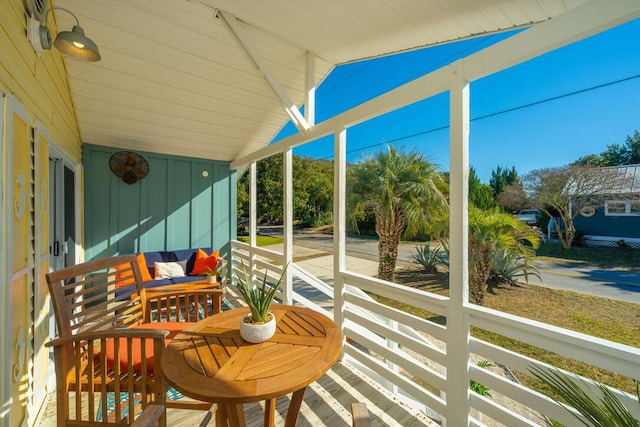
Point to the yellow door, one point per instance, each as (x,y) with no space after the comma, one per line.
(27,310)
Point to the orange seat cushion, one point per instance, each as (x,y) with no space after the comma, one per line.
(205,263)
(174,329)
(142,264)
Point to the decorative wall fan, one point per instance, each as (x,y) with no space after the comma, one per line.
(129,166)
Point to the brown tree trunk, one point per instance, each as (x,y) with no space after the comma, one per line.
(566,237)
(479,270)
(389,229)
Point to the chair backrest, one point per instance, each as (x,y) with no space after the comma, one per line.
(84,295)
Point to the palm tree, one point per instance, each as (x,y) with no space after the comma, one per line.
(491,231)
(403,190)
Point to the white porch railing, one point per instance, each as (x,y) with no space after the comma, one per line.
(408,354)
(430,361)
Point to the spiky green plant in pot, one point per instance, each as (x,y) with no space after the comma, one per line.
(258,296)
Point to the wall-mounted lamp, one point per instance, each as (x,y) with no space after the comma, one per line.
(72,43)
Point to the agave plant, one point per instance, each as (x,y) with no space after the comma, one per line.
(508,265)
(608,411)
(429,258)
(258,296)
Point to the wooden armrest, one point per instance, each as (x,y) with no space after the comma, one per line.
(113,333)
(360,415)
(150,416)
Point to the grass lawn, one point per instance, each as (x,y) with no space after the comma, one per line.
(261,240)
(605,318)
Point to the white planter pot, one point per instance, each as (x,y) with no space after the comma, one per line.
(211,279)
(257,333)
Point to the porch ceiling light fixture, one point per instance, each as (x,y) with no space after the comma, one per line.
(72,43)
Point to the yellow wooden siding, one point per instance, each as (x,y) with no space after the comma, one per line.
(39,100)
(39,82)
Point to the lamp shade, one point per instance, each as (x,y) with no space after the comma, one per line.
(75,44)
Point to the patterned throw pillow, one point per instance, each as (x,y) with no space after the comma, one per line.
(168,270)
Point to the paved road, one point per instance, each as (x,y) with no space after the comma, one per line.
(622,285)
(614,284)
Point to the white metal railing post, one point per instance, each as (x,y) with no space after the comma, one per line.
(458,325)
(339,223)
(287,227)
(253,226)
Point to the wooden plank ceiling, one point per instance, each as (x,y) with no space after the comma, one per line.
(174,80)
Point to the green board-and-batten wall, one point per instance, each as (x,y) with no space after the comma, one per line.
(182,203)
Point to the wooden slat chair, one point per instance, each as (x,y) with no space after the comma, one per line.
(109,346)
(96,391)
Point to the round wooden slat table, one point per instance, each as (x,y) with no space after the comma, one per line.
(211,362)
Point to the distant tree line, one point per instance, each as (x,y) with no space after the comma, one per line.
(615,154)
(394,193)
(312,191)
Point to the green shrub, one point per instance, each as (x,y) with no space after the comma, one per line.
(475,386)
(622,244)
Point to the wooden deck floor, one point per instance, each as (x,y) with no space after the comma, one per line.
(327,402)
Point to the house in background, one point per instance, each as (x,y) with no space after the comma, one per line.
(617,223)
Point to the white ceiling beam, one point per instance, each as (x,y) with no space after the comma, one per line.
(239,33)
(310,88)
(576,24)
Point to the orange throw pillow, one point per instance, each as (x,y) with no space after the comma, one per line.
(142,264)
(204,263)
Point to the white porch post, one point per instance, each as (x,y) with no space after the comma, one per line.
(287,228)
(339,223)
(458,332)
(252,217)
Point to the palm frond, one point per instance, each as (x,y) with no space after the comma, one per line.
(608,411)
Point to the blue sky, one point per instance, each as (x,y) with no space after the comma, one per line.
(547,112)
